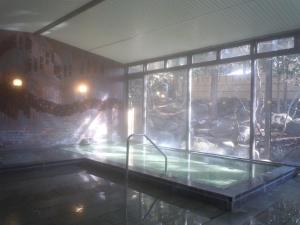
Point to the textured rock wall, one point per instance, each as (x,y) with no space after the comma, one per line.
(47,110)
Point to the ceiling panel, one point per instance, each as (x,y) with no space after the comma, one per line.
(117,21)
(133,30)
(243,21)
(31,15)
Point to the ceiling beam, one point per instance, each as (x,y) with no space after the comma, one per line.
(69,16)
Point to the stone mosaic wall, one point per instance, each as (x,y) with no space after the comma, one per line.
(47,110)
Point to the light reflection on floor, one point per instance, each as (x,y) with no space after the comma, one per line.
(73,196)
(64,199)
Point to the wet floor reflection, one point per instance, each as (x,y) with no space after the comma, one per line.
(71,195)
(282,212)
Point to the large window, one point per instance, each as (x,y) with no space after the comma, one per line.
(135,106)
(220,109)
(203,105)
(278,108)
(166,108)
(207,108)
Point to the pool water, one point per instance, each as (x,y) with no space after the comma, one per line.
(220,173)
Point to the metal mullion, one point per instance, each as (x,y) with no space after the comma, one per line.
(268,108)
(126,105)
(297,42)
(165,64)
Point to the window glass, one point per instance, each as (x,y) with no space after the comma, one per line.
(181,61)
(135,69)
(235,52)
(155,65)
(277,131)
(204,57)
(166,110)
(135,106)
(220,109)
(275,45)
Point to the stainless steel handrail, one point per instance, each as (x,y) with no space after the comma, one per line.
(155,146)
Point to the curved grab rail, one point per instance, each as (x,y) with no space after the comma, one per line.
(155,146)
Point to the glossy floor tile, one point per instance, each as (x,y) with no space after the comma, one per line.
(71,195)
(280,206)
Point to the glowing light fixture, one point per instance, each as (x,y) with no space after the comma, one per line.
(79,209)
(82,88)
(17,82)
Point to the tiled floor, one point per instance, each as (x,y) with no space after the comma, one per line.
(72,195)
(280,206)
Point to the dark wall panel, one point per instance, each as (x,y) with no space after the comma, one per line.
(47,110)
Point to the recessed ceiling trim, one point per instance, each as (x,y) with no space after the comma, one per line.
(69,16)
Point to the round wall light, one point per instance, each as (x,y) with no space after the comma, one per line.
(82,88)
(17,82)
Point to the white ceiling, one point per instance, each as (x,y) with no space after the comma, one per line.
(31,15)
(132,30)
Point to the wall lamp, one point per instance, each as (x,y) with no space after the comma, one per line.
(17,82)
(82,88)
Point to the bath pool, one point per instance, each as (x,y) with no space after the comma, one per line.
(227,182)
